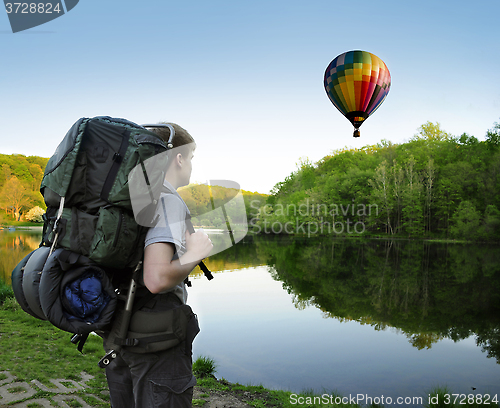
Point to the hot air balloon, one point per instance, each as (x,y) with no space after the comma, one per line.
(357,83)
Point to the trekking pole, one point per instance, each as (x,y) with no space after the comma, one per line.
(123,329)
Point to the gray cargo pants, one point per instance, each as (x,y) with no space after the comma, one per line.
(156,380)
(163,379)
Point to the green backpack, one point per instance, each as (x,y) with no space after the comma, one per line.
(86,189)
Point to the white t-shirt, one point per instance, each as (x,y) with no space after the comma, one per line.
(171,228)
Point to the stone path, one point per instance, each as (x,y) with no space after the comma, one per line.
(12,391)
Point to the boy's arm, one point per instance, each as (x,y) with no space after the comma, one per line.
(161,273)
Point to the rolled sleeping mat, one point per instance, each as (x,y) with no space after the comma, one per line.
(65,296)
(17,284)
(31,280)
(26,280)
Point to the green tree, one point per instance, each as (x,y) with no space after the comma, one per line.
(412,210)
(492,180)
(429,177)
(432,132)
(493,136)
(458,181)
(382,194)
(15,197)
(5,173)
(466,221)
(37,175)
(398,180)
(491,223)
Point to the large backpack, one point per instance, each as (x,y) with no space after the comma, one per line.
(86,190)
(90,234)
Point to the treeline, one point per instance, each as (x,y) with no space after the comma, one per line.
(20,179)
(212,206)
(434,185)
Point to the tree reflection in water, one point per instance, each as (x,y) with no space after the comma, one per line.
(428,291)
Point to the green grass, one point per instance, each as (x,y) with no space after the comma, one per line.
(33,349)
(5,292)
(204,367)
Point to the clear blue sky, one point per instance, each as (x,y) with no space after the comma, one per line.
(246,78)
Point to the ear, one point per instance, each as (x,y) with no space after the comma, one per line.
(179,159)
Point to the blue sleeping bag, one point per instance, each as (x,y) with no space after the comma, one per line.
(85,298)
(76,295)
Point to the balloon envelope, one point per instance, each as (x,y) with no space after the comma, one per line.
(357,83)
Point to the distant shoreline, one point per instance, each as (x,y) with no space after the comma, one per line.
(40,228)
(22,227)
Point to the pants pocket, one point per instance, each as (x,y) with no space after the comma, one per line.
(172,392)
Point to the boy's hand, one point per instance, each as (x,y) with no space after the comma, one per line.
(198,244)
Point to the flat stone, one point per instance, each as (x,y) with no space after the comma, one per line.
(60,387)
(9,378)
(8,396)
(85,377)
(61,400)
(40,401)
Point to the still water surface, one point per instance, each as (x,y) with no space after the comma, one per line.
(391,318)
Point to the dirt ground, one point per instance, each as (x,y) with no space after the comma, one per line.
(220,399)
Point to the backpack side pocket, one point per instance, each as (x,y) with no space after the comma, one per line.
(115,240)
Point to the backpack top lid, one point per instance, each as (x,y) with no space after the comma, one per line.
(105,141)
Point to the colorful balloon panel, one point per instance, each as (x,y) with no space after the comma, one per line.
(357,82)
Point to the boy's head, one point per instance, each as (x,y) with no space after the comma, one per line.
(181,152)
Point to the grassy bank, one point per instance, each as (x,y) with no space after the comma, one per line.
(34,350)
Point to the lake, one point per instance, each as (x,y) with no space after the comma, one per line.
(373,317)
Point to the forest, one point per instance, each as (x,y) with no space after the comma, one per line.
(21,176)
(435,185)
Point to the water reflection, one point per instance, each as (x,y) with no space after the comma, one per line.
(14,246)
(428,291)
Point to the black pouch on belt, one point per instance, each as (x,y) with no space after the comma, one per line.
(163,323)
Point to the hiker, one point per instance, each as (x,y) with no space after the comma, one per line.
(164,378)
